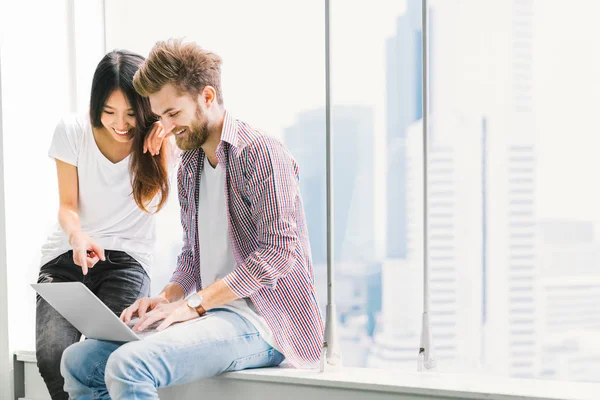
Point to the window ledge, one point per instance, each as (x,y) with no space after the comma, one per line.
(403,384)
(462,386)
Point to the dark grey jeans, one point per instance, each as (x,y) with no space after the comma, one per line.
(118,282)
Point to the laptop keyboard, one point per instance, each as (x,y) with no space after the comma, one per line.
(152,328)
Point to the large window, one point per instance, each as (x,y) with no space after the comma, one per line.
(513,209)
(376,93)
(512,206)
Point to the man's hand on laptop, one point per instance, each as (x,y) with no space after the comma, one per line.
(141,307)
(168,313)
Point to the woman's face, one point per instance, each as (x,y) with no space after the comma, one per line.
(118,118)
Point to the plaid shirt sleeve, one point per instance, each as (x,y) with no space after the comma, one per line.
(273,189)
(184,273)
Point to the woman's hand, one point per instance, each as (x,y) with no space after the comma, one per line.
(86,253)
(154,139)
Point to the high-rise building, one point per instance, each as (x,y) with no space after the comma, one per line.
(454,250)
(510,328)
(481,171)
(569,303)
(352,131)
(396,338)
(358,275)
(403,107)
(455,235)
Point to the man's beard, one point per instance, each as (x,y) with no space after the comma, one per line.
(196,136)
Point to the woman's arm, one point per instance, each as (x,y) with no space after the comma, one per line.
(85,252)
(159,140)
(68,189)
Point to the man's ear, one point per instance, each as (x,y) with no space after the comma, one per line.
(208,96)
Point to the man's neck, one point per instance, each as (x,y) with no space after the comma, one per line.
(214,138)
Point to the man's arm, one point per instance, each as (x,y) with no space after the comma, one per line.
(216,294)
(273,188)
(172,292)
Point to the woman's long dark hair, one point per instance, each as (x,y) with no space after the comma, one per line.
(148,173)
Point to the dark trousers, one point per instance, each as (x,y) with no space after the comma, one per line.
(118,282)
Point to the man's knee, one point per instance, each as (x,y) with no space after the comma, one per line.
(74,360)
(85,362)
(127,363)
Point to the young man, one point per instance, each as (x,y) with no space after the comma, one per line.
(246,255)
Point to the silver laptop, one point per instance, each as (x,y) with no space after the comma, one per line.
(86,312)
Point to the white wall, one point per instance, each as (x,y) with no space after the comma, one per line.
(4,355)
(40,47)
(36,92)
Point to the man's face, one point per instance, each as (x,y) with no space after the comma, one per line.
(182,115)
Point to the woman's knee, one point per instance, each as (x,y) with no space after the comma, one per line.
(47,362)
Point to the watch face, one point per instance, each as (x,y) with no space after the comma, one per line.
(195,301)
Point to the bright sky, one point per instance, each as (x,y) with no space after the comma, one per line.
(567,98)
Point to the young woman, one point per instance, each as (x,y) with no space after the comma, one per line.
(110,186)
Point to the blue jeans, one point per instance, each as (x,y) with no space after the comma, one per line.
(225,342)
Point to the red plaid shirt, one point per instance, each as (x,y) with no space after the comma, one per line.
(268,234)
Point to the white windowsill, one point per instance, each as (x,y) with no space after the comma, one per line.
(432,384)
(461,386)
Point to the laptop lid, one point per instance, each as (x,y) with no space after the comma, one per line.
(86,312)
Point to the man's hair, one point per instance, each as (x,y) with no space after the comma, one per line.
(187,66)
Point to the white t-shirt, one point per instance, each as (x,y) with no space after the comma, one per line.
(107,210)
(216,256)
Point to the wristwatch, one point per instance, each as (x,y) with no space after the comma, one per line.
(195,302)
